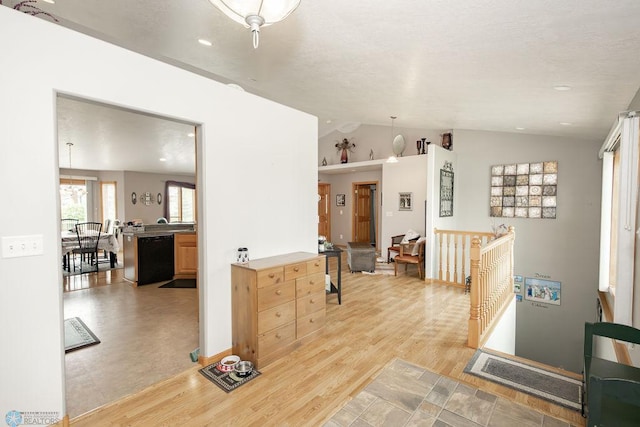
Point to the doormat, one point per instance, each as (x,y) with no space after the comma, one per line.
(228,381)
(180,283)
(77,335)
(556,388)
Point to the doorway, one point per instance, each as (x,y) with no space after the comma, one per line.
(118,366)
(324,210)
(365,213)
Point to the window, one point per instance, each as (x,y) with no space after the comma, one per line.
(73,199)
(181,202)
(108,200)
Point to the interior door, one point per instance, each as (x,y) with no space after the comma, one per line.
(324,210)
(362,213)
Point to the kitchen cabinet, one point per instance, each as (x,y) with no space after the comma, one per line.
(278,304)
(186,256)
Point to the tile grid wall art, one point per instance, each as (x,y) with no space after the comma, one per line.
(524,190)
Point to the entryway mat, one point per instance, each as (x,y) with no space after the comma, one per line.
(228,381)
(77,335)
(551,386)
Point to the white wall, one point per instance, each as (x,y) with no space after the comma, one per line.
(565,249)
(503,336)
(260,193)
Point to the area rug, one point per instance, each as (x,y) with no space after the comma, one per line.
(180,283)
(532,380)
(228,381)
(87,268)
(77,335)
(382,267)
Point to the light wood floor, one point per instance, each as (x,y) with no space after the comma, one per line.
(381,317)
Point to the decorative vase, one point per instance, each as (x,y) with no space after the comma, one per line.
(324,161)
(419,145)
(344,158)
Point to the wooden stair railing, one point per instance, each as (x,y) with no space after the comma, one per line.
(491,285)
(488,262)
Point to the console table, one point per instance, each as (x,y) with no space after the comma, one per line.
(337,253)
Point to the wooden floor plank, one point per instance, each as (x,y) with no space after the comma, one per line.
(382,317)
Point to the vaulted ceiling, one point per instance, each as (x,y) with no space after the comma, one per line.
(436,64)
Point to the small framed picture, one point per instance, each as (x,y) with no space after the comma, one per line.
(405,202)
(340,199)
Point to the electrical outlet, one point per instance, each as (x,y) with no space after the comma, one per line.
(21,246)
(341,237)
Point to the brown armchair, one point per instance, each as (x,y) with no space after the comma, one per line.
(395,245)
(406,256)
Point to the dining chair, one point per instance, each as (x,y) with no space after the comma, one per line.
(88,238)
(67,225)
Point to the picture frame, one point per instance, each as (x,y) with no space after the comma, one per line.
(340,199)
(405,201)
(541,290)
(446,191)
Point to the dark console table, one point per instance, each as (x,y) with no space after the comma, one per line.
(337,253)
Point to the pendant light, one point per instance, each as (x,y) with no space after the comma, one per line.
(392,158)
(254,14)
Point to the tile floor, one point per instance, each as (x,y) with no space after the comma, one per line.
(406,395)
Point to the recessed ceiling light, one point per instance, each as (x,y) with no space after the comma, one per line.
(191,134)
(204,42)
(562,87)
(162,159)
(519,128)
(565,124)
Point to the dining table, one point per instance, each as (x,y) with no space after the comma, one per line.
(107,242)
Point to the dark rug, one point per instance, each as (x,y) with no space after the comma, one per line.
(532,380)
(180,283)
(87,268)
(228,381)
(77,335)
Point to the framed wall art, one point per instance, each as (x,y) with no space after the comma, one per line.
(446,190)
(405,202)
(340,199)
(524,190)
(541,290)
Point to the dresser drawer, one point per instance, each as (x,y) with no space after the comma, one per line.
(293,271)
(276,316)
(309,284)
(274,295)
(270,276)
(316,266)
(310,323)
(311,303)
(276,339)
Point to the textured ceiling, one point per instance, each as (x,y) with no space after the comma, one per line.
(436,64)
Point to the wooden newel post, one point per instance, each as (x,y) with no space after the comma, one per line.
(474,311)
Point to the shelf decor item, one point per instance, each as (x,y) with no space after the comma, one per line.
(345,146)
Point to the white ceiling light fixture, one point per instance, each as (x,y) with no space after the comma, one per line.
(254,14)
(392,158)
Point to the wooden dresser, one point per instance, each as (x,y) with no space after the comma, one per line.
(278,304)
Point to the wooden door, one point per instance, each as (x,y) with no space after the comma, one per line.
(362,213)
(324,210)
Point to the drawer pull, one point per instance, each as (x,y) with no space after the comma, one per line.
(272,275)
(296,269)
(312,301)
(311,282)
(278,292)
(278,314)
(278,335)
(311,320)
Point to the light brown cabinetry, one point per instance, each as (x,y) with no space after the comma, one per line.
(185,255)
(278,304)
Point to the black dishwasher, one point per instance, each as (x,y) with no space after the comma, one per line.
(155,259)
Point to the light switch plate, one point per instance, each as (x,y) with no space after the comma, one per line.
(21,246)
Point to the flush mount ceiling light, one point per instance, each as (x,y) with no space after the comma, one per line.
(254,14)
